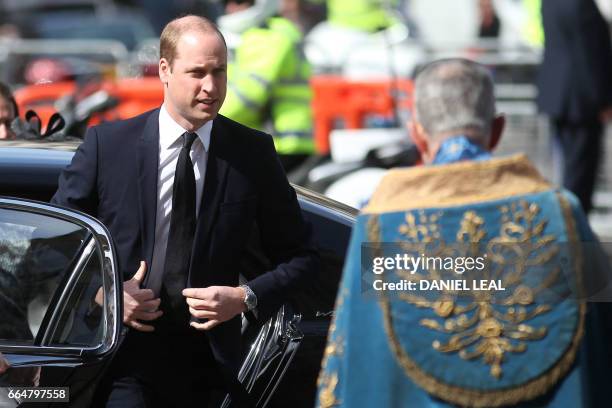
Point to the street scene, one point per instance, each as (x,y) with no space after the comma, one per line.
(305,203)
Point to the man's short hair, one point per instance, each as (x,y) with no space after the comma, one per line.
(176,28)
(454,95)
(7,95)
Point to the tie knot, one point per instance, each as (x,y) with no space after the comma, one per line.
(188,139)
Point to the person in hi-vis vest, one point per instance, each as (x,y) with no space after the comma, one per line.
(269,77)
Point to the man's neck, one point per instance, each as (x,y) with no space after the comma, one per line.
(181,121)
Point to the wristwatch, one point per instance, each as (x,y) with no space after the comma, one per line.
(250,300)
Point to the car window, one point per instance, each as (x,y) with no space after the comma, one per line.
(331,234)
(80,320)
(37,254)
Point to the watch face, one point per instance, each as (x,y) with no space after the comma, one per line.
(250,300)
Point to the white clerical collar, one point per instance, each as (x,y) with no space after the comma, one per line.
(170,131)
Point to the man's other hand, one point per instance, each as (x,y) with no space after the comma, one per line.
(139,304)
(4,365)
(215,303)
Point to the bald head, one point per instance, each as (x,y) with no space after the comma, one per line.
(455,96)
(175,29)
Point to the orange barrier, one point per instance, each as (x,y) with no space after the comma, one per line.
(135,97)
(41,98)
(336,98)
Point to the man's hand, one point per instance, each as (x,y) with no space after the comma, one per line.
(4,365)
(139,304)
(215,303)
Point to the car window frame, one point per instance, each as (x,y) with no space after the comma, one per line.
(113,284)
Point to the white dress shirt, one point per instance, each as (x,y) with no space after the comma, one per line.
(170,144)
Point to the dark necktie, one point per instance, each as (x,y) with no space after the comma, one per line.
(182,228)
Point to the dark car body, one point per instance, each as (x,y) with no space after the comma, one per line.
(282,356)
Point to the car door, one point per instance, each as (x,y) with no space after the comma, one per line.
(54,264)
(331,224)
(283,357)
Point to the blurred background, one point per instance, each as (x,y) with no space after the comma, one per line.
(345,77)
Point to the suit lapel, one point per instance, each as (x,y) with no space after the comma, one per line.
(148,164)
(214,186)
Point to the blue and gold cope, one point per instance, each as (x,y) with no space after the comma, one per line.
(522,346)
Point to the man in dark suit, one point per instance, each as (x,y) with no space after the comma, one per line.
(181,188)
(575,88)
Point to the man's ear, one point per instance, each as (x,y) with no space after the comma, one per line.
(497,129)
(417,134)
(164,70)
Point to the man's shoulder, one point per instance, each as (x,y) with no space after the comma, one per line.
(240,133)
(126,127)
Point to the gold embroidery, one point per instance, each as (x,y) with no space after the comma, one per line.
(492,330)
(487,333)
(335,347)
(327,396)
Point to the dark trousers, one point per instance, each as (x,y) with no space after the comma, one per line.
(580,145)
(162,369)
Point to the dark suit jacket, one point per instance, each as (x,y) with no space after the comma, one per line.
(575,79)
(113,177)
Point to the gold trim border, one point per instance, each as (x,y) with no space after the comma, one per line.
(479,398)
(461,183)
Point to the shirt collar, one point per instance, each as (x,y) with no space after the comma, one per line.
(170,131)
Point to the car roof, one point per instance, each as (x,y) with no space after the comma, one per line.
(67,145)
(39,163)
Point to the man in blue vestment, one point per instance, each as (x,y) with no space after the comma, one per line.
(469,281)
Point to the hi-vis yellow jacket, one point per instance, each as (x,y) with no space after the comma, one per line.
(364,15)
(268,84)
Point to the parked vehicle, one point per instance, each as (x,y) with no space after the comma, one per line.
(58,258)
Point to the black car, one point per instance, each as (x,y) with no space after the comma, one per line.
(53,261)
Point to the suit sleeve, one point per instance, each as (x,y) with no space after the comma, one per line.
(77,186)
(285,236)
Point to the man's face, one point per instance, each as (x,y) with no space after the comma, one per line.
(196,83)
(7,115)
